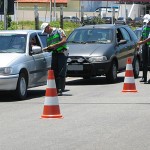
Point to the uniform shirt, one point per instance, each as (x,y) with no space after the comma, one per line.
(55,31)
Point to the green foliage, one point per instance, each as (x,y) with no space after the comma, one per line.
(68,27)
(94,20)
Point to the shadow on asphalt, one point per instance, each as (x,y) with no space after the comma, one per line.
(36,93)
(93,81)
(9,97)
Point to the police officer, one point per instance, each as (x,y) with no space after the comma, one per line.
(56,42)
(145,48)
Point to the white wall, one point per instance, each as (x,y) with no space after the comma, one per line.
(134,10)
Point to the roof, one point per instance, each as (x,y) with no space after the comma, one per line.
(41,1)
(20,31)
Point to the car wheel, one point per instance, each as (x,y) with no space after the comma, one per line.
(136,68)
(111,76)
(21,90)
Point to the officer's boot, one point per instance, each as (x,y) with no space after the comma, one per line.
(57,83)
(59,86)
(63,84)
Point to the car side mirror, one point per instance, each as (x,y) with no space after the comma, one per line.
(122,42)
(36,49)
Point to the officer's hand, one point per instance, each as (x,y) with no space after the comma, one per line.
(140,42)
(45,49)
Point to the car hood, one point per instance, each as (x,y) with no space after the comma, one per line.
(7,58)
(89,49)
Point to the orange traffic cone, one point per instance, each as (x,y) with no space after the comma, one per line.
(129,82)
(51,104)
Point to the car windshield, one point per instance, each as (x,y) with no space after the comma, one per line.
(138,33)
(120,18)
(102,36)
(12,43)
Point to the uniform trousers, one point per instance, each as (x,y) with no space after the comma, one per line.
(59,66)
(145,56)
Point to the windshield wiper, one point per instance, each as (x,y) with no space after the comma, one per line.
(77,42)
(102,42)
(3,51)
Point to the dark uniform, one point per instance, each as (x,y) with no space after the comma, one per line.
(59,59)
(145,52)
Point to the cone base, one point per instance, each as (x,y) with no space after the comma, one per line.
(52,116)
(129,91)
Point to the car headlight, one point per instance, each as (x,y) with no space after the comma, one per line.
(69,60)
(5,70)
(80,60)
(98,59)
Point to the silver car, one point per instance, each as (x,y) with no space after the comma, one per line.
(23,64)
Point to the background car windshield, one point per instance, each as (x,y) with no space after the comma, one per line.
(12,43)
(138,33)
(91,36)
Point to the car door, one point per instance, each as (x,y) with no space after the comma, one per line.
(129,46)
(39,74)
(124,48)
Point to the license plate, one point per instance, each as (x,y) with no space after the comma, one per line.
(75,67)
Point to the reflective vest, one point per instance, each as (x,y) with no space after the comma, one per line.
(55,38)
(145,33)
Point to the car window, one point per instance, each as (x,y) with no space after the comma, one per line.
(43,38)
(138,33)
(91,36)
(34,41)
(119,35)
(66,18)
(126,35)
(13,43)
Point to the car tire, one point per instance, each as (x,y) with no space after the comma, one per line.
(136,68)
(111,76)
(21,90)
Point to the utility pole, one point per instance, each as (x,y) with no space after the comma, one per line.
(61,16)
(36,14)
(50,10)
(5,13)
(54,10)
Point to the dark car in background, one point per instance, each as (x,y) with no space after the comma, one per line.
(108,20)
(71,19)
(138,21)
(96,50)
(123,21)
(138,32)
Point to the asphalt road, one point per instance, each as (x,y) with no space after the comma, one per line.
(96,116)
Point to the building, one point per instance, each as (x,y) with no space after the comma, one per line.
(50,9)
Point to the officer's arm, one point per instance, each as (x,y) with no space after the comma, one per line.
(62,42)
(144,41)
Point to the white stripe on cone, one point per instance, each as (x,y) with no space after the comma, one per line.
(129,67)
(129,80)
(51,84)
(51,100)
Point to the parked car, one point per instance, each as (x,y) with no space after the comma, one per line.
(108,20)
(71,19)
(23,64)
(138,32)
(121,20)
(96,50)
(138,21)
